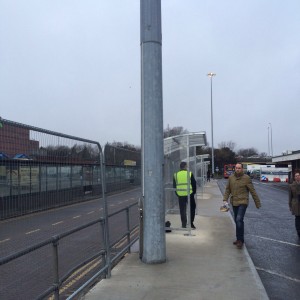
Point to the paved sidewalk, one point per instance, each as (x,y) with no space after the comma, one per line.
(202,266)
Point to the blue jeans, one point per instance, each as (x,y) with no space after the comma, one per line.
(239,213)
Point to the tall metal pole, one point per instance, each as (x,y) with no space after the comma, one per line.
(271,139)
(268,141)
(154,239)
(212,125)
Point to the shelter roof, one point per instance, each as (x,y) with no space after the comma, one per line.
(293,155)
(178,142)
(21,156)
(3,155)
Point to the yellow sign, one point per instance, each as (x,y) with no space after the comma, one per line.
(128,162)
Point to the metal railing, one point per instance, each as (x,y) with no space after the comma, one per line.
(40,170)
(129,237)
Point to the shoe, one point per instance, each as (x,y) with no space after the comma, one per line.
(239,244)
(234,243)
(193,226)
(183,226)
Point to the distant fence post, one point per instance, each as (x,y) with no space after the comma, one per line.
(55,265)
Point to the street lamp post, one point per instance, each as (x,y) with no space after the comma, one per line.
(212,125)
(271,140)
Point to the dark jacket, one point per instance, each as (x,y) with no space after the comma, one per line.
(294,198)
(239,187)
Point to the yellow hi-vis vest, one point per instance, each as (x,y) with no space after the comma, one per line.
(181,183)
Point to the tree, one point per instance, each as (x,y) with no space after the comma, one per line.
(247,152)
(231,145)
(168,132)
(224,156)
(125,145)
(263,154)
(200,150)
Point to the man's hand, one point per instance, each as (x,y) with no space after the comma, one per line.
(224,207)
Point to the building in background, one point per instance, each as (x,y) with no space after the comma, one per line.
(16,140)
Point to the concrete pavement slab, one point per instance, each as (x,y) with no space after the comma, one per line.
(201,266)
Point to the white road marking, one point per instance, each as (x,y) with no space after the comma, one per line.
(91,212)
(278,274)
(6,240)
(54,224)
(278,241)
(76,217)
(33,231)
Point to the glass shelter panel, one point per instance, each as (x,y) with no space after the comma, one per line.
(177,149)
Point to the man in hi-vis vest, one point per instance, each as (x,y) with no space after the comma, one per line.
(185,183)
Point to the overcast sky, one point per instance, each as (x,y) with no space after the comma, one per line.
(73,66)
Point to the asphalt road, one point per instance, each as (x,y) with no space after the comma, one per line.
(28,276)
(272,241)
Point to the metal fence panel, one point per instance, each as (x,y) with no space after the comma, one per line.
(45,179)
(41,169)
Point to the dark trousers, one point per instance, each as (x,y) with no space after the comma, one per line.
(297,224)
(239,213)
(183,201)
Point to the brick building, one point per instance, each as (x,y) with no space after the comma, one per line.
(15,140)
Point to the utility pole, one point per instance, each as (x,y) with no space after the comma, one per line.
(271,140)
(268,142)
(212,125)
(154,238)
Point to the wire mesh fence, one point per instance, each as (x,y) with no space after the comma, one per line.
(40,169)
(51,183)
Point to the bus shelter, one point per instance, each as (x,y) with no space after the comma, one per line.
(201,169)
(177,149)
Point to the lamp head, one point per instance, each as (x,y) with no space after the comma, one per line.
(211,74)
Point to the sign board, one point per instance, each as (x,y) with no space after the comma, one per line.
(128,162)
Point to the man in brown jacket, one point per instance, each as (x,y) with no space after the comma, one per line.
(294,200)
(239,185)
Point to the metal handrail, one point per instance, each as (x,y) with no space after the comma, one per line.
(54,240)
